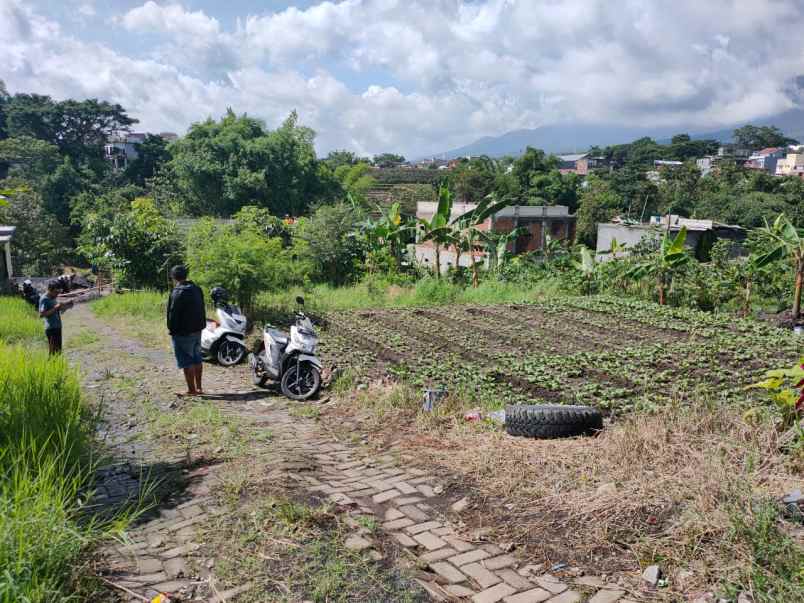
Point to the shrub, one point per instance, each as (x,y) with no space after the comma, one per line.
(245,262)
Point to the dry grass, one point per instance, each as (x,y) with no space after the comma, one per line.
(662,488)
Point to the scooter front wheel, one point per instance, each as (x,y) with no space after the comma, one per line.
(301,381)
(230,352)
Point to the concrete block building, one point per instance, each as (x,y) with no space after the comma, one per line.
(539,221)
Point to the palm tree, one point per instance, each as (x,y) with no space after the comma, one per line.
(786,241)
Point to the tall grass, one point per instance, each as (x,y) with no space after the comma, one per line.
(19,321)
(146,305)
(45,445)
(373,293)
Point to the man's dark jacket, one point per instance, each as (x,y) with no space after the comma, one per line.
(186,313)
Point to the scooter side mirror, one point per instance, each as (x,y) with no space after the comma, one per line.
(300,300)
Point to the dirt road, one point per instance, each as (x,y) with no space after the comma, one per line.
(209,466)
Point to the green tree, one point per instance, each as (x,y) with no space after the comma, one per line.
(598,203)
(355,178)
(41,243)
(29,158)
(222,166)
(243,260)
(336,159)
(152,154)
(388,160)
(760,137)
(78,128)
(473,179)
(333,247)
(139,245)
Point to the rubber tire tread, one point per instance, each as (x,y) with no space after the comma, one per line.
(547,421)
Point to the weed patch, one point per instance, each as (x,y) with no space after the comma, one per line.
(295,551)
(19,321)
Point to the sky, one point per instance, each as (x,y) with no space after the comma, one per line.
(413,76)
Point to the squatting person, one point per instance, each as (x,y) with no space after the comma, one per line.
(186,318)
(50,310)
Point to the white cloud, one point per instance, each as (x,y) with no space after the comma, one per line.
(451,71)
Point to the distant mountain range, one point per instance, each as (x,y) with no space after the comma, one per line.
(577,138)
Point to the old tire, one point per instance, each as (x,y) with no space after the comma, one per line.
(552,420)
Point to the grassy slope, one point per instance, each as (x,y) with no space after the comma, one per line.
(46,441)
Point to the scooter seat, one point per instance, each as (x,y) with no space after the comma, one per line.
(279,336)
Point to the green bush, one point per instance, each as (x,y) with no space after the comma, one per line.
(243,261)
(18,321)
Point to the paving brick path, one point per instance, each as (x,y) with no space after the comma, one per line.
(166,552)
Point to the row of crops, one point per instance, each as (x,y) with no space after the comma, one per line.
(618,355)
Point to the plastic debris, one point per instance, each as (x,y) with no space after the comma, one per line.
(496,416)
(473,415)
(432,397)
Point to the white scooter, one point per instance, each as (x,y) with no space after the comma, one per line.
(224,339)
(289,359)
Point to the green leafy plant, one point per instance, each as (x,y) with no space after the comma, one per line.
(786,389)
(664,264)
(787,241)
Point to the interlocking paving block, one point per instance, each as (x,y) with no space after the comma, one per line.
(429,541)
(385,496)
(551,583)
(438,555)
(607,596)
(407,500)
(404,539)
(426,490)
(570,596)
(470,557)
(423,527)
(448,571)
(459,544)
(457,590)
(398,524)
(493,594)
(392,514)
(414,513)
(481,575)
(536,595)
(499,562)
(514,579)
(405,488)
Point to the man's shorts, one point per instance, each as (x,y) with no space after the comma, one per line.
(54,339)
(187,349)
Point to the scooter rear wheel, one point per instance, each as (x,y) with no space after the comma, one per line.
(230,353)
(301,381)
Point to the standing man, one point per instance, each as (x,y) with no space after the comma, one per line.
(50,310)
(186,318)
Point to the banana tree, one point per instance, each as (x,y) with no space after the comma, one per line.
(587,266)
(664,264)
(466,231)
(496,245)
(436,229)
(391,229)
(786,241)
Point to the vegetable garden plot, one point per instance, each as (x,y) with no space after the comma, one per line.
(614,354)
